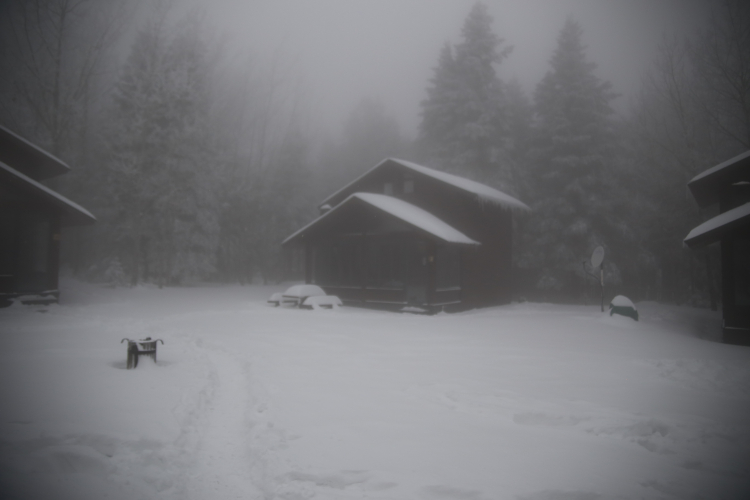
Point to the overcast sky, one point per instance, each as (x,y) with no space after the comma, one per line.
(351,49)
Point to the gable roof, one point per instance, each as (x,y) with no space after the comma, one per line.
(713,229)
(72,213)
(482,192)
(28,158)
(707,185)
(406,212)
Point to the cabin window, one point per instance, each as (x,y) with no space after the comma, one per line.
(388,188)
(408,186)
(448,267)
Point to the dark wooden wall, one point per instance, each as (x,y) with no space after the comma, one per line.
(486,270)
(29,248)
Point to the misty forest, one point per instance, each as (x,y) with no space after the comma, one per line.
(456,169)
(198,157)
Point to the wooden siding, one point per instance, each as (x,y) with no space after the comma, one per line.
(486,270)
(31,218)
(485,276)
(726,184)
(29,248)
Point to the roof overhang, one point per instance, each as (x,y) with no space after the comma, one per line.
(707,186)
(411,215)
(481,192)
(29,158)
(72,213)
(714,229)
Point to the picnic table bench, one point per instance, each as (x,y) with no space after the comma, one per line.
(321,301)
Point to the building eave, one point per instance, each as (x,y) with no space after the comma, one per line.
(407,213)
(482,192)
(715,228)
(72,213)
(706,187)
(29,158)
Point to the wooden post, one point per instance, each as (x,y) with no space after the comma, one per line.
(601,274)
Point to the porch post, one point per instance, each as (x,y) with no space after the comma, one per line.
(363,265)
(308,263)
(431,270)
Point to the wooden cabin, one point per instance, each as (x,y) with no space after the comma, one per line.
(404,235)
(31,218)
(728,185)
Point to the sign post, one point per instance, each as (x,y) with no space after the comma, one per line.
(597,260)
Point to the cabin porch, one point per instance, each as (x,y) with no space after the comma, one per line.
(392,270)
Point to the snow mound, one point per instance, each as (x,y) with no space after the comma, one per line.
(622,301)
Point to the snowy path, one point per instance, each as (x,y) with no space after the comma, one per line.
(523,402)
(223,458)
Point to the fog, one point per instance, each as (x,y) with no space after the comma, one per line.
(348,50)
(228,121)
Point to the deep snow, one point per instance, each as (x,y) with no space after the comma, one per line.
(525,401)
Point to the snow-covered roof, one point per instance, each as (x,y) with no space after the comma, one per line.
(29,158)
(481,191)
(712,230)
(707,185)
(73,214)
(406,212)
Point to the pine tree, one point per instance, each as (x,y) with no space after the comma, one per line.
(570,189)
(464,123)
(519,112)
(160,165)
(439,117)
(134,146)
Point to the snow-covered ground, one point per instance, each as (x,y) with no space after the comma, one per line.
(525,401)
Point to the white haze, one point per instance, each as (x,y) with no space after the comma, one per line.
(348,50)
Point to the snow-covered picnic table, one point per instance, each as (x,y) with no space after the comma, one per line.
(297,294)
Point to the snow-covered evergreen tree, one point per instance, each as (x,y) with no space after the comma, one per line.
(160,168)
(439,118)
(519,112)
(464,124)
(570,189)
